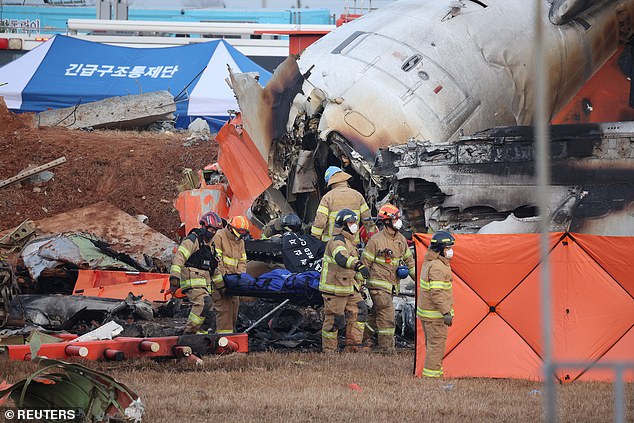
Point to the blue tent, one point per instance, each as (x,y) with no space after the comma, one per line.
(66,71)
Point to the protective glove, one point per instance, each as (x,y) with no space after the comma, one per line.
(361,268)
(447,318)
(174,285)
(178,293)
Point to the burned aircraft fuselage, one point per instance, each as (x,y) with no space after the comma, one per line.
(424,70)
(490,176)
(432,71)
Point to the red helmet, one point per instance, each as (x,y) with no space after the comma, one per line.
(389,212)
(211,220)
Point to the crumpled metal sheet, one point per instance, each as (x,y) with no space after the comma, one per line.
(265,110)
(63,311)
(67,386)
(123,232)
(245,169)
(75,249)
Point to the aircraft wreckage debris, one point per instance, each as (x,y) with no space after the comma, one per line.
(121,348)
(32,172)
(72,392)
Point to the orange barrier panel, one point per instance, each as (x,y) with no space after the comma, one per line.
(123,347)
(117,284)
(497,328)
(192,204)
(243,165)
(246,171)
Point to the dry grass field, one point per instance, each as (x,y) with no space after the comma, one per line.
(311,387)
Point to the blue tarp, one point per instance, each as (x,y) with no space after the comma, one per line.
(278,282)
(66,71)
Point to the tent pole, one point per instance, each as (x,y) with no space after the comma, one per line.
(543,180)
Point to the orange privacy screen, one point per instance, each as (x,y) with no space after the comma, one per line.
(497,328)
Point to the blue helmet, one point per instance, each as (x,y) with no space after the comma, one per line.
(402,271)
(331,171)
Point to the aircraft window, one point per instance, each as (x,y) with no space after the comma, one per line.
(411,62)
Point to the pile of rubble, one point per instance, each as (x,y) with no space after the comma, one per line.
(88,228)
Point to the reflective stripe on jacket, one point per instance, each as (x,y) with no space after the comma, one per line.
(435,297)
(337,280)
(340,196)
(190,277)
(232,256)
(383,268)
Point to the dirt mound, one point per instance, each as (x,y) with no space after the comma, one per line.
(10,122)
(135,171)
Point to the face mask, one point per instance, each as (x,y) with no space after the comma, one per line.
(397,224)
(207,235)
(449,253)
(353,228)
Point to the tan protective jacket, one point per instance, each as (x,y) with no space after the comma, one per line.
(274,227)
(382,265)
(436,289)
(340,196)
(337,280)
(232,256)
(191,277)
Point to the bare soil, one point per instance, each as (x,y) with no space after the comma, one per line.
(135,171)
(312,387)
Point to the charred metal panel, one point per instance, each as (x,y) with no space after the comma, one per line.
(487,176)
(265,110)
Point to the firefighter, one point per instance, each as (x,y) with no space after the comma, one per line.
(339,287)
(389,260)
(435,300)
(232,259)
(192,269)
(340,196)
(287,223)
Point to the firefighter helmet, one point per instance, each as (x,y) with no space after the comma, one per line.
(292,222)
(334,175)
(240,224)
(345,216)
(331,171)
(389,212)
(441,240)
(211,220)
